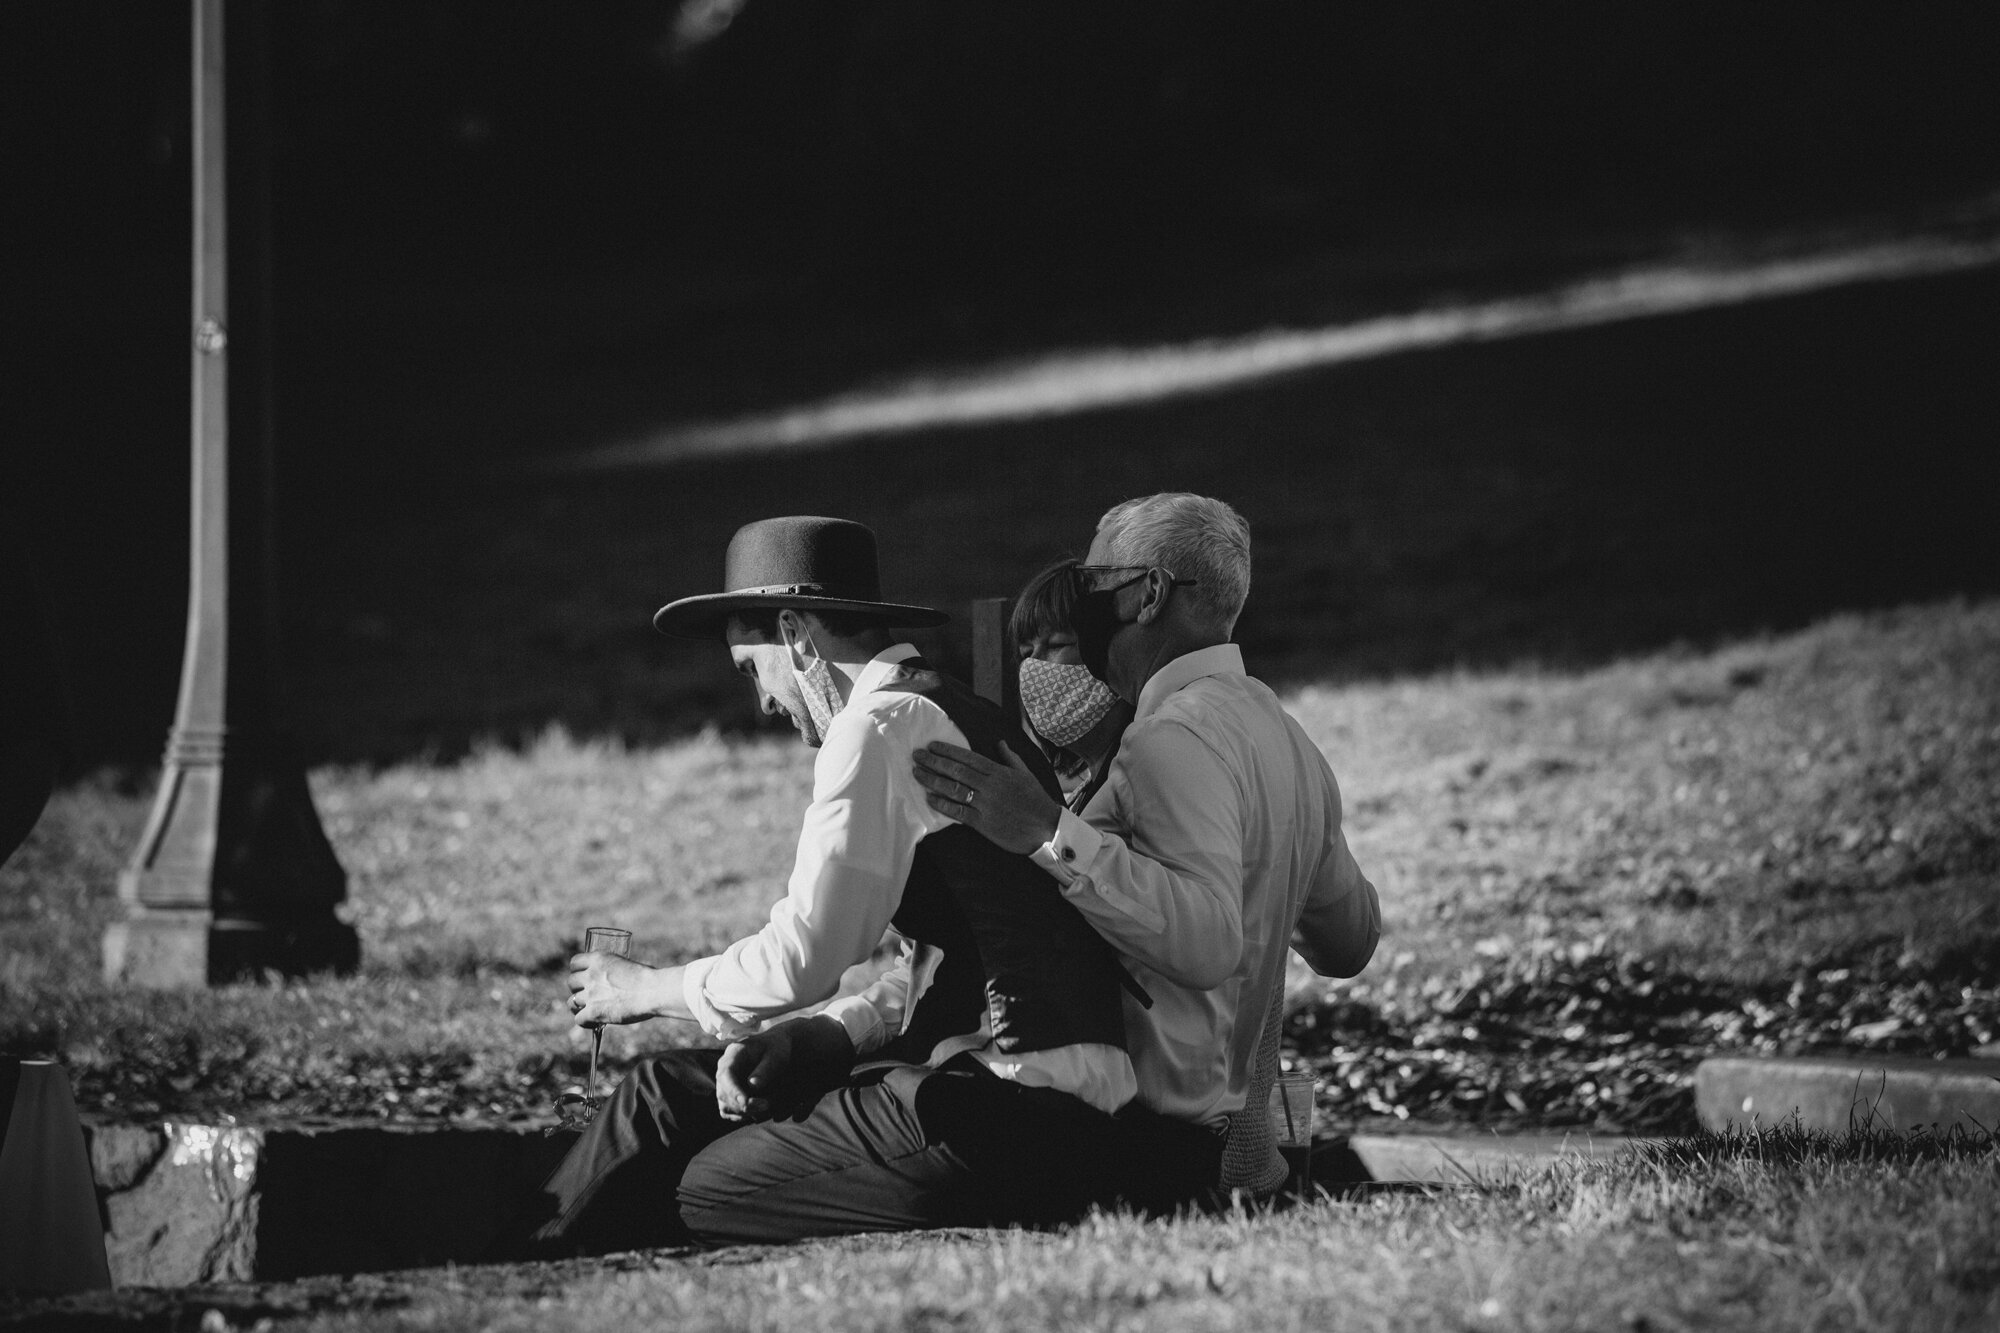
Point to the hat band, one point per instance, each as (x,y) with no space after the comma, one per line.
(783,590)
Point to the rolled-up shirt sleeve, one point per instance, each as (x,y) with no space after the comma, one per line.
(875,1016)
(1341,921)
(1174,900)
(859,836)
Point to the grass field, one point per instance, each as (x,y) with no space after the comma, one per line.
(1657,664)
(1794,834)
(1780,1231)
(1795,1233)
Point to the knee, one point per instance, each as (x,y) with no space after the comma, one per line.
(717,1199)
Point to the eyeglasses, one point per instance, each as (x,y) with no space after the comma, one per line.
(1085,575)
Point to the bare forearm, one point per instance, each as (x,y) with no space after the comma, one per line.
(608,989)
(663,994)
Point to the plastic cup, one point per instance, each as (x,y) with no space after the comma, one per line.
(1292,1108)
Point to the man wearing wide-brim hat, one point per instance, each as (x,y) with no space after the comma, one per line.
(978,1082)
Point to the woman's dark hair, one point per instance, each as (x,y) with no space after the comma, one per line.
(1045,604)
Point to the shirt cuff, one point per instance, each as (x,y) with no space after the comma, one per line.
(1070,850)
(862,1020)
(694,990)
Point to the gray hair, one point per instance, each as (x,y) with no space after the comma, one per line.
(1195,537)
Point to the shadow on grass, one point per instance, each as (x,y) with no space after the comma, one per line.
(1565,499)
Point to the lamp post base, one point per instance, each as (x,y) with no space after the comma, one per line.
(168,948)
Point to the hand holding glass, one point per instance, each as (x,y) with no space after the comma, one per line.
(578,1109)
(602,939)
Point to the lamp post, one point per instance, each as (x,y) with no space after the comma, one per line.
(233,874)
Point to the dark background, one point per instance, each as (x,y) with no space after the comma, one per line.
(514,229)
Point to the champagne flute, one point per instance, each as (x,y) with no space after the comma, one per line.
(602,939)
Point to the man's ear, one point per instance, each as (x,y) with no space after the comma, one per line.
(1154,604)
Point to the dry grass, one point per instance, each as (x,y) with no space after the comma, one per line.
(1676,803)
(1742,814)
(500,859)
(470,884)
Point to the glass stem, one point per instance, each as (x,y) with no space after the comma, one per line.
(596,1041)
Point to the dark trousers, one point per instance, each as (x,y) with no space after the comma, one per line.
(893,1148)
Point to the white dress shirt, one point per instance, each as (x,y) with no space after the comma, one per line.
(1215,836)
(859,838)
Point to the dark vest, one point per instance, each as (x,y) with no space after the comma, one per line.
(1012,945)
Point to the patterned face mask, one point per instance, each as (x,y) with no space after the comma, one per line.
(816,687)
(1063,702)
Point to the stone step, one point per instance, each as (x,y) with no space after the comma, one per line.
(1456,1159)
(1838,1092)
(202,1203)
(188,1203)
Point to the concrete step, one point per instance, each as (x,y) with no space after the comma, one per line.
(191,1203)
(1838,1091)
(201,1203)
(188,1203)
(1456,1159)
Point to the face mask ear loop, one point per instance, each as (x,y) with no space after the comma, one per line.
(805,667)
(794,645)
(817,687)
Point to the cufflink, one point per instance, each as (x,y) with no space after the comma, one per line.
(1069,853)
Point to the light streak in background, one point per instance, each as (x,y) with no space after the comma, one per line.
(1099,378)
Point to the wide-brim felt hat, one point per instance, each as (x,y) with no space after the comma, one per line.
(802,561)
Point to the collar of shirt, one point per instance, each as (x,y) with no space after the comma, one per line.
(870,677)
(1223,659)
